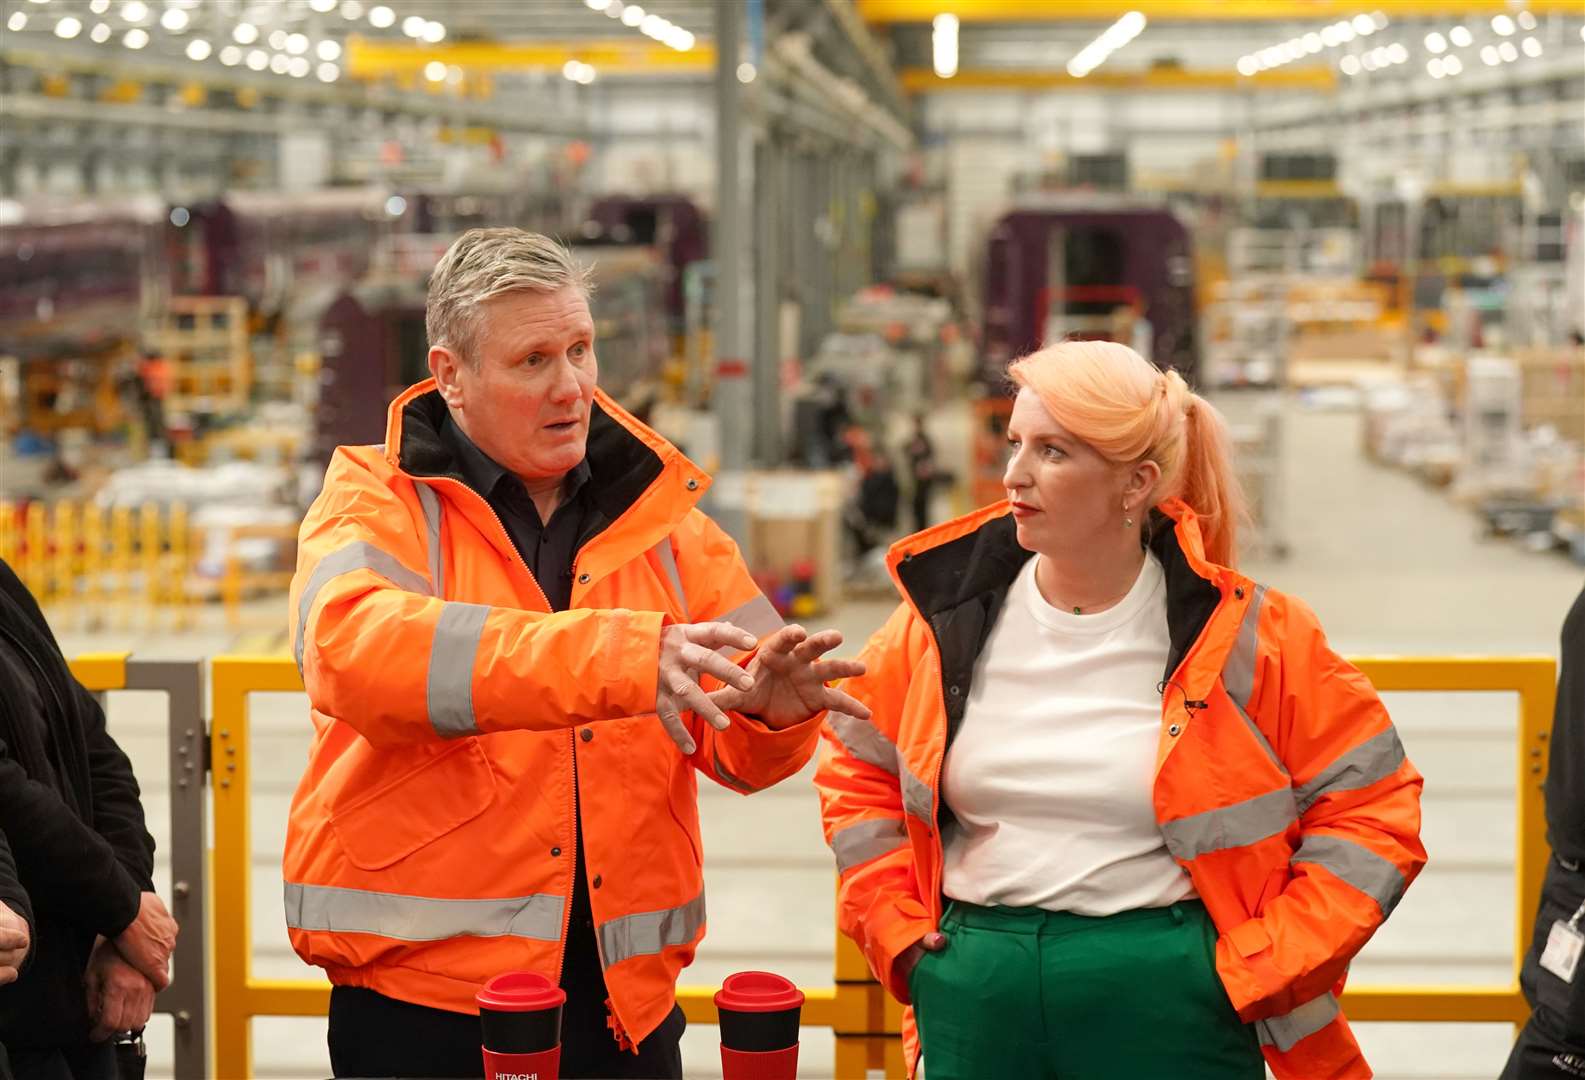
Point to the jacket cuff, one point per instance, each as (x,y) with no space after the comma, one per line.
(122,900)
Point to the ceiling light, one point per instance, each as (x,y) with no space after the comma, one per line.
(1329,37)
(413,26)
(299,67)
(297,44)
(135,38)
(586,76)
(1364,24)
(328,73)
(231,56)
(1434,68)
(279,63)
(1114,37)
(198,49)
(1350,65)
(1452,65)
(569,70)
(1507,51)
(653,26)
(615,10)
(1502,24)
(597,5)
(1436,42)
(98,7)
(1380,19)
(100,33)
(134,11)
(396,206)
(454,75)
(70,26)
(632,15)
(381,17)
(1582,33)
(278,39)
(1369,61)
(258,59)
(351,9)
(435,71)
(328,50)
(944,45)
(746,72)
(1489,56)
(245,33)
(1312,42)
(1345,31)
(1247,66)
(17,22)
(324,7)
(1526,20)
(679,39)
(1397,54)
(434,32)
(1461,37)
(1531,46)
(175,20)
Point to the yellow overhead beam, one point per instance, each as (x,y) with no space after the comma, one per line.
(623,56)
(922,11)
(1316,78)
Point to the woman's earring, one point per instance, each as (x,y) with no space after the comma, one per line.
(1128,522)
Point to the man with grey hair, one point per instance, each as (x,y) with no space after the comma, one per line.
(520,639)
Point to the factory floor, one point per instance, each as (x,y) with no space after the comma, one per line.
(1390,566)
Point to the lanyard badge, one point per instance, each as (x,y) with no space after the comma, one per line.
(1563,947)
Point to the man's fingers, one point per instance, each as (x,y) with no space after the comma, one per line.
(12,938)
(696,699)
(817,645)
(698,658)
(8,974)
(720,635)
(675,728)
(837,701)
(827,670)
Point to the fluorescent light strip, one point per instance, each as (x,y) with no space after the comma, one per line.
(1097,52)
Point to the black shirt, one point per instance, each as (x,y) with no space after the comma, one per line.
(548,549)
(1565,778)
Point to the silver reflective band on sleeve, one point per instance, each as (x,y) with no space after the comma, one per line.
(918,799)
(1284,1032)
(451,658)
(668,562)
(421,918)
(1362,868)
(431,504)
(1373,760)
(864,741)
(867,840)
(648,932)
(757,616)
(358,555)
(1238,674)
(731,781)
(1231,826)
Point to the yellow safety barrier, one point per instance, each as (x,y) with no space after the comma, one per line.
(864,1018)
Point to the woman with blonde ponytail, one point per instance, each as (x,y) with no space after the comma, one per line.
(1118,810)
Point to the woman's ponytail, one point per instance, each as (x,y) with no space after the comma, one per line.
(1209,485)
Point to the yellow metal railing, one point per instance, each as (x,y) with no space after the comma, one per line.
(863,1016)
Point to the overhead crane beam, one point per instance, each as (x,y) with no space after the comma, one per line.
(368,59)
(1035,11)
(1313,78)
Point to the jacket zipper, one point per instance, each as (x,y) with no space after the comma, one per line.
(1188,714)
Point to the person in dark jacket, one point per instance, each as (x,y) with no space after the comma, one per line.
(1552,1043)
(101,940)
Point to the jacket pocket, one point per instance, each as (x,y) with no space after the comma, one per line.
(425,802)
(682,800)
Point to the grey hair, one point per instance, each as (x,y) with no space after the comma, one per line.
(483,264)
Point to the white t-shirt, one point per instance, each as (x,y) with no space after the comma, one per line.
(1050,775)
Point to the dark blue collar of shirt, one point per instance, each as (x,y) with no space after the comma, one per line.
(485,475)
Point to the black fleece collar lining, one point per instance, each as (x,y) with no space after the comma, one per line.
(621,466)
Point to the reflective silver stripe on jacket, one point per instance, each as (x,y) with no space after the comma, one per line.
(864,741)
(421,918)
(918,799)
(648,932)
(437,557)
(668,562)
(731,781)
(1362,868)
(1372,761)
(451,658)
(869,839)
(1238,673)
(1233,826)
(358,555)
(1284,1032)
(756,615)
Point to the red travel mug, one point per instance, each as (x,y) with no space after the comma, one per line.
(759,1026)
(520,1014)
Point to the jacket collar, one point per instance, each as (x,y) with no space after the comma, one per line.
(635,477)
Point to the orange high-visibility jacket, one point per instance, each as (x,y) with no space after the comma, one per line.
(1280,787)
(431,840)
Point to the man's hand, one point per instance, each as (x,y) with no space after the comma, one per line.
(931,942)
(14,943)
(790,680)
(120,997)
(686,651)
(147,944)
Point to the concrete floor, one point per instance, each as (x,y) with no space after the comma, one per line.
(1390,566)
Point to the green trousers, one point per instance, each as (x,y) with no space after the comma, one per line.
(1026,994)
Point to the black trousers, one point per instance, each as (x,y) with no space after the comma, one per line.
(373,1035)
(1552,1044)
(95,1061)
